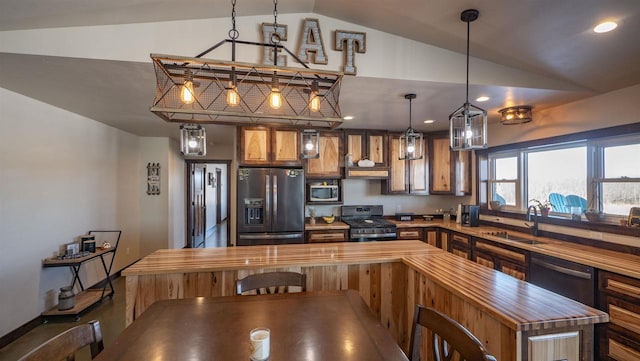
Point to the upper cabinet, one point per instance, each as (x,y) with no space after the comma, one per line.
(405,176)
(331,156)
(370,145)
(450,172)
(269,146)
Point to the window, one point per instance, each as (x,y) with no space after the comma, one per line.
(504,180)
(618,187)
(597,174)
(554,174)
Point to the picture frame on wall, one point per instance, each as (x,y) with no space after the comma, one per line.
(211,180)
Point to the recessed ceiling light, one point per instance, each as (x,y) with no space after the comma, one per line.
(348,117)
(605,27)
(482,99)
(429,121)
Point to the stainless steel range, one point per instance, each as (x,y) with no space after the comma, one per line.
(366,223)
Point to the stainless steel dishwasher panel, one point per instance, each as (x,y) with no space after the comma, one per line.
(570,279)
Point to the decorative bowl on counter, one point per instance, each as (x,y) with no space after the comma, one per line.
(366,163)
(495,205)
(329,220)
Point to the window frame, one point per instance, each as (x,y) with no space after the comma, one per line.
(595,147)
(491,181)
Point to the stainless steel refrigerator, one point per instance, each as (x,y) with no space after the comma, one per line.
(270,206)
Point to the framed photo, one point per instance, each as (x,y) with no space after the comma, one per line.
(211,180)
(72,248)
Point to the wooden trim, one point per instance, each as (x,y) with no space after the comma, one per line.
(586,135)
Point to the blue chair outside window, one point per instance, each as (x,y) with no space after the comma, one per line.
(576,201)
(559,202)
(499,198)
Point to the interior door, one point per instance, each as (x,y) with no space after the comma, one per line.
(197,208)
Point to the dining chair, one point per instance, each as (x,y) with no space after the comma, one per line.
(448,337)
(271,282)
(68,342)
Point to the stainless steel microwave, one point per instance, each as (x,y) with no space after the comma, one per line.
(323,193)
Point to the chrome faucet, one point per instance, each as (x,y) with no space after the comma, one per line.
(534,226)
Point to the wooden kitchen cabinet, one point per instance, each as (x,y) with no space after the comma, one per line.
(411,233)
(620,297)
(370,145)
(333,235)
(269,146)
(505,259)
(444,236)
(460,245)
(405,176)
(431,237)
(449,172)
(329,164)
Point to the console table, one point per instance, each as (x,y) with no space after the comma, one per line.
(90,296)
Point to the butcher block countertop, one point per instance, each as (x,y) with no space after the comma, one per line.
(288,255)
(519,305)
(618,262)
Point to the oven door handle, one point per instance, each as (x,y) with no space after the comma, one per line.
(564,270)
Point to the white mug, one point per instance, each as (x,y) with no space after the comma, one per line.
(260,343)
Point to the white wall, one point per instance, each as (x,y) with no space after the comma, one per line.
(177,197)
(601,111)
(61,175)
(163,216)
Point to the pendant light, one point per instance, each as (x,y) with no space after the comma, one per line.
(310,139)
(468,124)
(199,90)
(410,141)
(193,140)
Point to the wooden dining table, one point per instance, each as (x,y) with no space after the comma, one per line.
(315,326)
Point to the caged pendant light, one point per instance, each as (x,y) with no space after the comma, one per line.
(193,140)
(198,90)
(410,141)
(468,124)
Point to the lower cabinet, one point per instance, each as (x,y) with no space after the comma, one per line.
(460,245)
(505,259)
(333,235)
(411,233)
(560,346)
(431,237)
(619,296)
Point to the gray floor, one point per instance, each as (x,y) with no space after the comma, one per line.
(110,313)
(217,237)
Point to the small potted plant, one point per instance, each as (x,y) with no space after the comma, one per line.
(544,207)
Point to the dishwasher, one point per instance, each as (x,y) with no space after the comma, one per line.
(570,279)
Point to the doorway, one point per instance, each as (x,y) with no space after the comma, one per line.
(208,196)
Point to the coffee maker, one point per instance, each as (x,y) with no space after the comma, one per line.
(470,215)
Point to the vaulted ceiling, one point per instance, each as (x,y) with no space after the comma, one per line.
(546,38)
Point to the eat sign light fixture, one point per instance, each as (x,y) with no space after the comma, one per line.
(468,124)
(197,90)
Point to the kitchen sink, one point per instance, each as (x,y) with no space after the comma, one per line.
(511,237)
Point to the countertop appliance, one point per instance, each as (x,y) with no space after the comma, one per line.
(570,279)
(270,206)
(367,223)
(323,192)
(470,215)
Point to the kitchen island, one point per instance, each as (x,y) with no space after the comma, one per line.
(515,320)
